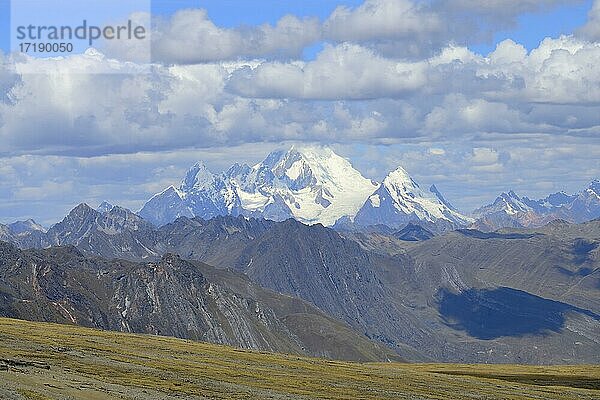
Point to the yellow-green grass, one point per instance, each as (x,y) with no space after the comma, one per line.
(92,364)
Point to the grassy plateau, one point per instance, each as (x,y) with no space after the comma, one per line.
(50,361)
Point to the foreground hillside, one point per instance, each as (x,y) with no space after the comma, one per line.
(48,361)
(171,297)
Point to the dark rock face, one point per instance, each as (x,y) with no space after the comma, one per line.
(169,297)
(116,232)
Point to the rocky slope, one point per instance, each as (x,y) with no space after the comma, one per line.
(169,297)
(420,298)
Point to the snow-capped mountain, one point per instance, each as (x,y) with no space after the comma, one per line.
(104,207)
(399,200)
(509,203)
(309,184)
(511,210)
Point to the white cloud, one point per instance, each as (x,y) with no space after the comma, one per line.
(381,20)
(189,36)
(591,30)
(345,71)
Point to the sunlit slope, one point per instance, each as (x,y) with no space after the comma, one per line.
(41,361)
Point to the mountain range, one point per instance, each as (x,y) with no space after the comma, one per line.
(315,185)
(300,253)
(521,296)
(310,184)
(170,297)
(512,210)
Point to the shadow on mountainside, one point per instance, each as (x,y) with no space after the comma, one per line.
(492,313)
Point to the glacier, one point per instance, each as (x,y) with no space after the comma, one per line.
(311,184)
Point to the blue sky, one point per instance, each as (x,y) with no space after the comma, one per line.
(530,30)
(478,97)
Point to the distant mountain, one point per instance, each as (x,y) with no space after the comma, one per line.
(104,207)
(400,200)
(103,233)
(310,184)
(428,300)
(26,233)
(24,227)
(425,286)
(413,233)
(170,297)
(511,210)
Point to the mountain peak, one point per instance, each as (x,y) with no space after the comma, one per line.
(81,209)
(309,183)
(197,177)
(400,179)
(28,225)
(104,207)
(399,200)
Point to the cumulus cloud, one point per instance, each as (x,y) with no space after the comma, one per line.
(345,71)
(189,36)
(591,30)
(381,19)
(560,70)
(399,28)
(348,91)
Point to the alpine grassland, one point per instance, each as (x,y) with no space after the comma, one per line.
(52,361)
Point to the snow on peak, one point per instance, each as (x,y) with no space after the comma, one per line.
(400,200)
(595,186)
(104,207)
(400,180)
(197,177)
(312,184)
(309,183)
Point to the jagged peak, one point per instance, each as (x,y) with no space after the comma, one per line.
(400,179)
(104,207)
(81,208)
(121,210)
(197,177)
